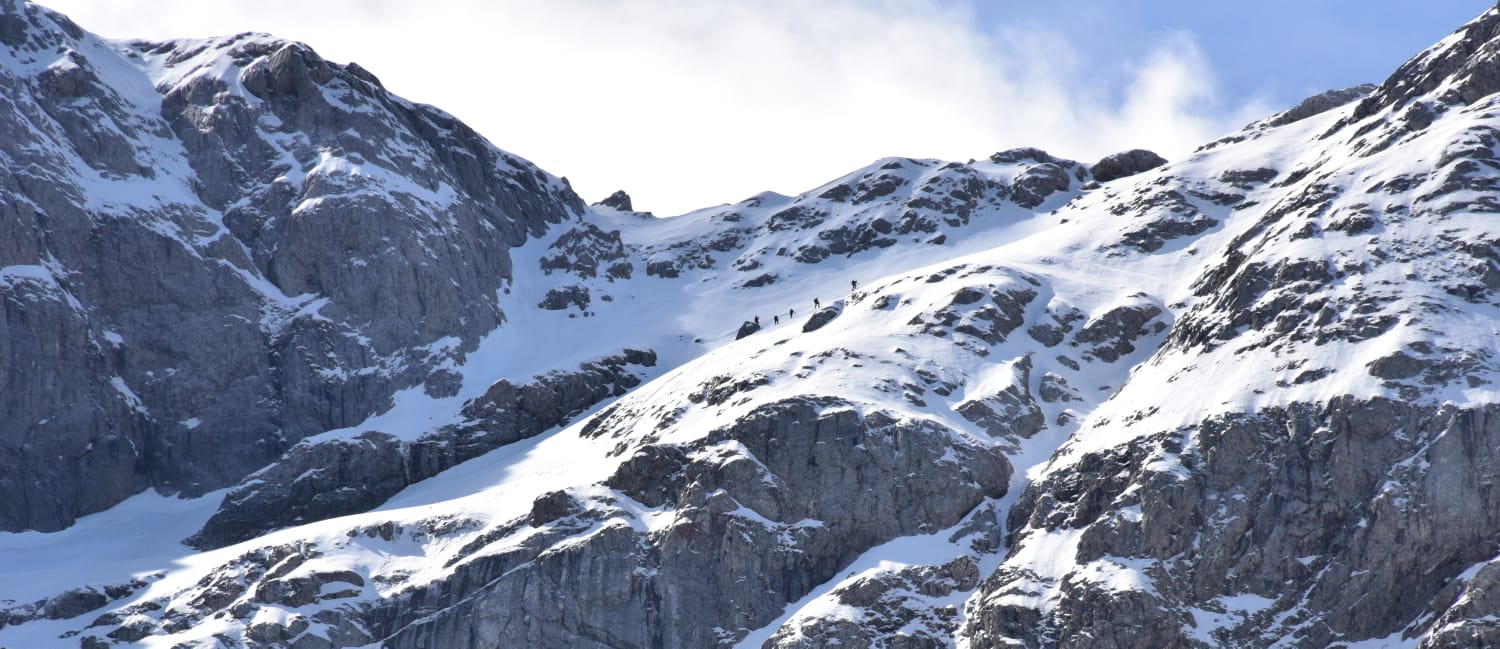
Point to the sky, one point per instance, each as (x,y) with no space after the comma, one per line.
(687,104)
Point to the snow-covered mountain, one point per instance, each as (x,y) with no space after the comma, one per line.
(293,362)
(213,249)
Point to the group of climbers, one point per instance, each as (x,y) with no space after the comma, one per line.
(792,312)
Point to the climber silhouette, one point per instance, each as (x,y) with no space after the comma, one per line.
(817,304)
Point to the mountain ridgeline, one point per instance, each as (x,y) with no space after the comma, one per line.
(216,248)
(290,361)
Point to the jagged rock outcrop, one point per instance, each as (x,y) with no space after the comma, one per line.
(869,211)
(71,603)
(1345,520)
(317,480)
(1315,510)
(588,251)
(1464,66)
(205,266)
(1037,183)
(737,550)
(909,607)
(1010,413)
(1124,164)
(1322,103)
(558,299)
(617,201)
(602,573)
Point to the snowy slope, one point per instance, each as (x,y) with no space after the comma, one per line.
(1242,399)
(1304,461)
(930,211)
(941,345)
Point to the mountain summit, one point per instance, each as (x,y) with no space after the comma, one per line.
(294,362)
(216,248)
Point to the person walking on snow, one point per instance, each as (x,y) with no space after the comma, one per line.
(757,321)
(791,313)
(853,285)
(775,319)
(817,304)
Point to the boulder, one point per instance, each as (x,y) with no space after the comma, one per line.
(1125,163)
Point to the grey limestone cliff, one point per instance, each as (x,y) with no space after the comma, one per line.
(317,480)
(212,249)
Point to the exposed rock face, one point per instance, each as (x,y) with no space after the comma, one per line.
(1125,163)
(617,201)
(1298,508)
(317,480)
(588,251)
(1464,66)
(1037,183)
(900,609)
(1022,154)
(987,313)
(1313,517)
(70,603)
(1110,335)
(219,261)
(737,551)
(558,299)
(1009,413)
(312,481)
(871,210)
(1243,401)
(1159,215)
(1322,103)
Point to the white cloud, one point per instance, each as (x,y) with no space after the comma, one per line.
(686,104)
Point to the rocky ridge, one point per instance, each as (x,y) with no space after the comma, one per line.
(1239,399)
(165,224)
